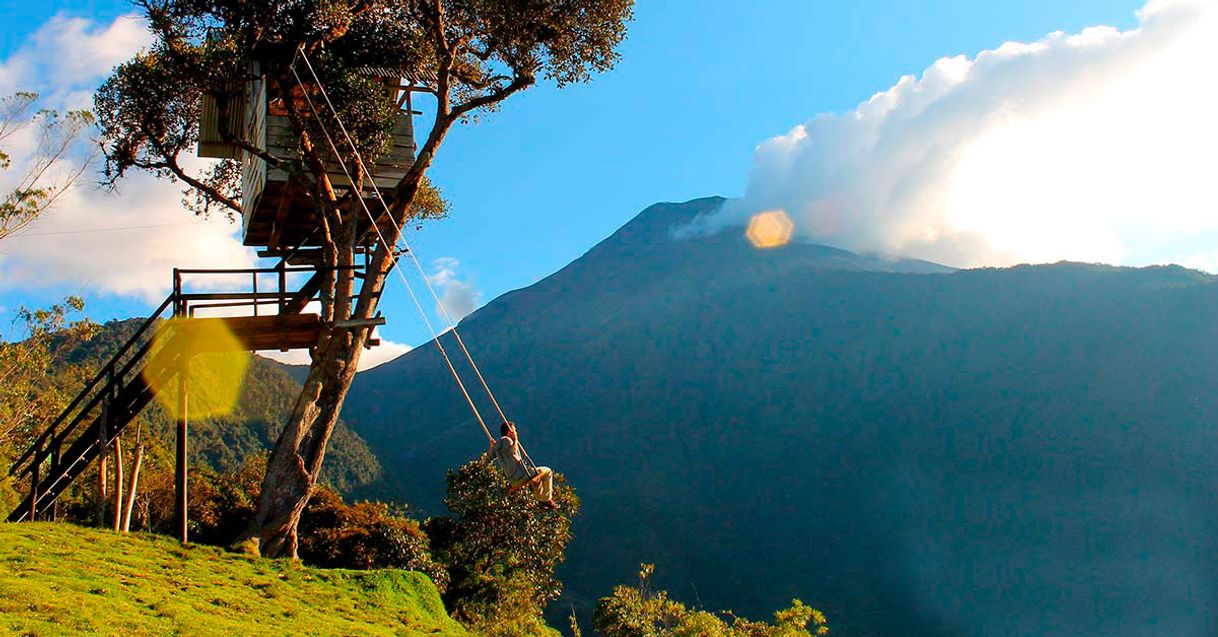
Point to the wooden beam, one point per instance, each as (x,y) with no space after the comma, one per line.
(276,331)
(117,523)
(352,324)
(180,479)
(34,478)
(297,303)
(281,213)
(102,426)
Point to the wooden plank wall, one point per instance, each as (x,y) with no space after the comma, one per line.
(389,168)
(254,169)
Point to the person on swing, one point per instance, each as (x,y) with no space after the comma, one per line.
(506,453)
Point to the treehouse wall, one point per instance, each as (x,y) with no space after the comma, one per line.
(254,169)
(389,168)
(276,214)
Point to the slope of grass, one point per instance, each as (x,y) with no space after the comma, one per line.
(59,579)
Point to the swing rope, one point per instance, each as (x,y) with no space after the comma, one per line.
(409,288)
(452,326)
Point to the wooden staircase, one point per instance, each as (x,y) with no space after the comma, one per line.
(128,382)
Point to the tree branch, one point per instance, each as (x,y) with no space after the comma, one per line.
(171,164)
(272,160)
(519,83)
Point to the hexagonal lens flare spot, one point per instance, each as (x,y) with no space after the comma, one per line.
(770,229)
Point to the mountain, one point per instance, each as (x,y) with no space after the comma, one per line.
(915,450)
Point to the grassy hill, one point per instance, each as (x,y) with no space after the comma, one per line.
(59,579)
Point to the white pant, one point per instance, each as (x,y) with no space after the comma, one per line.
(543,488)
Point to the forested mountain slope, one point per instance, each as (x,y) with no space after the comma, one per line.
(915,450)
(224,442)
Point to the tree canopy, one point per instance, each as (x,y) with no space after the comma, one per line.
(468,54)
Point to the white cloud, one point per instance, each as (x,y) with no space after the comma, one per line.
(383,353)
(66,57)
(125,242)
(459,298)
(1097,146)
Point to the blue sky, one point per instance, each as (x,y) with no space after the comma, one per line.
(700,85)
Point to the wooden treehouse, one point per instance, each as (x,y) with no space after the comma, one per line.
(279,213)
(280,218)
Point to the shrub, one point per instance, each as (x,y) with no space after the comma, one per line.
(639,612)
(501,550)
(9,497)
(222,503)
(364,535)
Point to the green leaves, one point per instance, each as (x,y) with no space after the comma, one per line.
(30,392)
(470,54)
(500,548)
(60,153)
(364,111)
(640,612)
(364,535)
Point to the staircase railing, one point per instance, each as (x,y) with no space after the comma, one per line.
(112,373)
(125,365)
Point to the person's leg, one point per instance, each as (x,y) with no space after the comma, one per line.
(543,488)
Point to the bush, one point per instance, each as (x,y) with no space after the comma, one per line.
(9,497)
(223,503)
(501,550)
(639,612)
(364,535)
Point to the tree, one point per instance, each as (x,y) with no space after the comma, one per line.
(50,157)
(500,551)
(638,611)
(31,392)
(28,397)
(479,52)
(54,157)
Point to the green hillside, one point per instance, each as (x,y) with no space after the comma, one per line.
(60,579)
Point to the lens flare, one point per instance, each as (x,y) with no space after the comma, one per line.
(770,229)
(213,358)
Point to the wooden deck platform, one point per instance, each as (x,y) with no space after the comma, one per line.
(274,332)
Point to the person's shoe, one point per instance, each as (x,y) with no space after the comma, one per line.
(551,505)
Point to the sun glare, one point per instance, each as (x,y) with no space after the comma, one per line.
(215,362)
(1122,157)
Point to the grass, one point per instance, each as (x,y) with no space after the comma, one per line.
(60,579)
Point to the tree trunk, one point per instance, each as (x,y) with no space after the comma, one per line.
(132,487)
(295,463)
(100,504)
(118,483)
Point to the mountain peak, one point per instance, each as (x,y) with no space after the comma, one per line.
(656,222)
